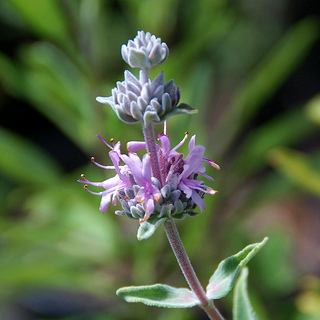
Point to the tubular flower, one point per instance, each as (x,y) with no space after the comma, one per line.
(153,101)
(141,195)
(144,51)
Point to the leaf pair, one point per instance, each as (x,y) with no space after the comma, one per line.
(220,284)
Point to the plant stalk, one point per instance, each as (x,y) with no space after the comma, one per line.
(188,271)
(172,232)
(152,149)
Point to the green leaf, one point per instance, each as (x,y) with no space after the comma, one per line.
(242,309)
(159,295)
(182,108)
(148,228)
(223,279)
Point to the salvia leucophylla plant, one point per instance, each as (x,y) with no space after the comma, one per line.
(163,184)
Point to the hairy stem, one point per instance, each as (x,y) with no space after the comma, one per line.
(170,228)
(152,149)
(144,75)
(188,271)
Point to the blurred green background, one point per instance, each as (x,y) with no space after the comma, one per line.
(251,68)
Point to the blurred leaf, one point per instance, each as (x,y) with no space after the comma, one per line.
(10,75)
(297,167)
(148,228)
(44,18)
(61,91)
(313,110)
(242,309)
(266,78)
(25,163)
(288,129)
(159,295)
(223,279)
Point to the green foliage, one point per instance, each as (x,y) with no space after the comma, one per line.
(148,228)
(44,18)
(220,284)
(223,279)
(242,309)
(21,159)
(159,295)
(272,71)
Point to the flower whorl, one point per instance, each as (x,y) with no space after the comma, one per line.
(133,100)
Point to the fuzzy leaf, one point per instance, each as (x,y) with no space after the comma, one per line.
(182,108)
(223,279)
(147,228)
(159,295)
(242,309)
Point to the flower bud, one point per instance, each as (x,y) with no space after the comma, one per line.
(144,51)
(132,100)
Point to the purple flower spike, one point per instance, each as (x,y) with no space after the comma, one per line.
(141,195)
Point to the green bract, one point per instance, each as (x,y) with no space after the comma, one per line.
(148,228)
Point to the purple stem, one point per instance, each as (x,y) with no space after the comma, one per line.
(188,271)
(174,238)
(152,149)
(170,227)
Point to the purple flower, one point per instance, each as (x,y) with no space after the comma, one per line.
(179,174)
(112,185)
(141,195)
(192,167)
(133,174)
(141,171)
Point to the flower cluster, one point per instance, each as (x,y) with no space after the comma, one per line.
(162,184)
(153,101)
(141,195)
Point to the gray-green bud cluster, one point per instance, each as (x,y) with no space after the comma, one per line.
(144,51)
(172,204)
(141,99)
(132,100)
